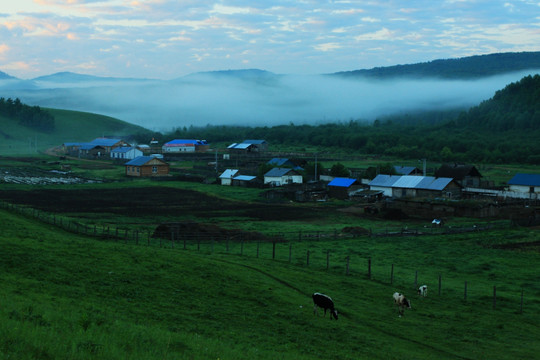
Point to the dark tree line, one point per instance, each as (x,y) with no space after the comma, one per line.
(29,116)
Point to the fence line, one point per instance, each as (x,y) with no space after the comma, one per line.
(281,243)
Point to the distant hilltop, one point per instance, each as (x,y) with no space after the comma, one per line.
(471,67)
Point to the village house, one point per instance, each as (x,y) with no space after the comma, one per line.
(525,183)
(248,146)
(126,153)
(408,170)
(465,175)
(227,176)
(282,176)
(146,166)
(284,162)
(416,186)
(185,145)
(97,148)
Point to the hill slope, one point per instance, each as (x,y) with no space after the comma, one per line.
(67,296)
(461,68)
(71,126)
(516,107)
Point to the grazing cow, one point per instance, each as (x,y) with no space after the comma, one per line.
(325,302)
(401,302)
(422,290)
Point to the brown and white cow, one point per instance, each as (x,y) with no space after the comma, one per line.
(401,302)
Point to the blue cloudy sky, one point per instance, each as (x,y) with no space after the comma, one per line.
(165,39)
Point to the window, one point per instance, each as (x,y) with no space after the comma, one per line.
(154,169)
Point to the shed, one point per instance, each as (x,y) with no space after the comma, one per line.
(525,183)
(282,176)
(145,166)
(245,181)
(340,188)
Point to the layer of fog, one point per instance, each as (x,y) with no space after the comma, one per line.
(271,100)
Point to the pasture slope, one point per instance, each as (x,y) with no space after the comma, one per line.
(66,296)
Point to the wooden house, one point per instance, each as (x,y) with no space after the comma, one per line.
(465,175)
(147,166)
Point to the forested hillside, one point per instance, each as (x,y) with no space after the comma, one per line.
(462,68)
(516,107)
(504,129)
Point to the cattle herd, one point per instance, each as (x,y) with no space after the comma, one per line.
(325,302)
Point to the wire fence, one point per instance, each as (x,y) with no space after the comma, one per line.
(301,249)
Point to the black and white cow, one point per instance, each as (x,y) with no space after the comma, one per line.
(325,302)
(401,302)
(422,290)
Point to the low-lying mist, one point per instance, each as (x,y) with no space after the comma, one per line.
(203,99)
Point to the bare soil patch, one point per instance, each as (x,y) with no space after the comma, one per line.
(153,201)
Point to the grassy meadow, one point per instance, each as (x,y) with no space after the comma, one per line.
(68,296)
(21,140)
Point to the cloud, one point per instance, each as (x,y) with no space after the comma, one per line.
(382,34)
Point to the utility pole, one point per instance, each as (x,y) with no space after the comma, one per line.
(315,166)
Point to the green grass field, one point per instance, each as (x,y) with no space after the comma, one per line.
(20,140)
(66,296)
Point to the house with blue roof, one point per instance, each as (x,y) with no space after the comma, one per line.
(125,153)
(525,183)
(185,145)
(282,176)
(146,166)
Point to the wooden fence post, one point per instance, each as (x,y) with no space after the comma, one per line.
(465,293)
(290,251)
(327,259)
(440,280)
(521,304)
(494,296)
(392,275)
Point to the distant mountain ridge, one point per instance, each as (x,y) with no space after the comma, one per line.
(461,68)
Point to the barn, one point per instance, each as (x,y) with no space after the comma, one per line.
(147,166)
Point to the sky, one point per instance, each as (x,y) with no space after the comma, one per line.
(167,39)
